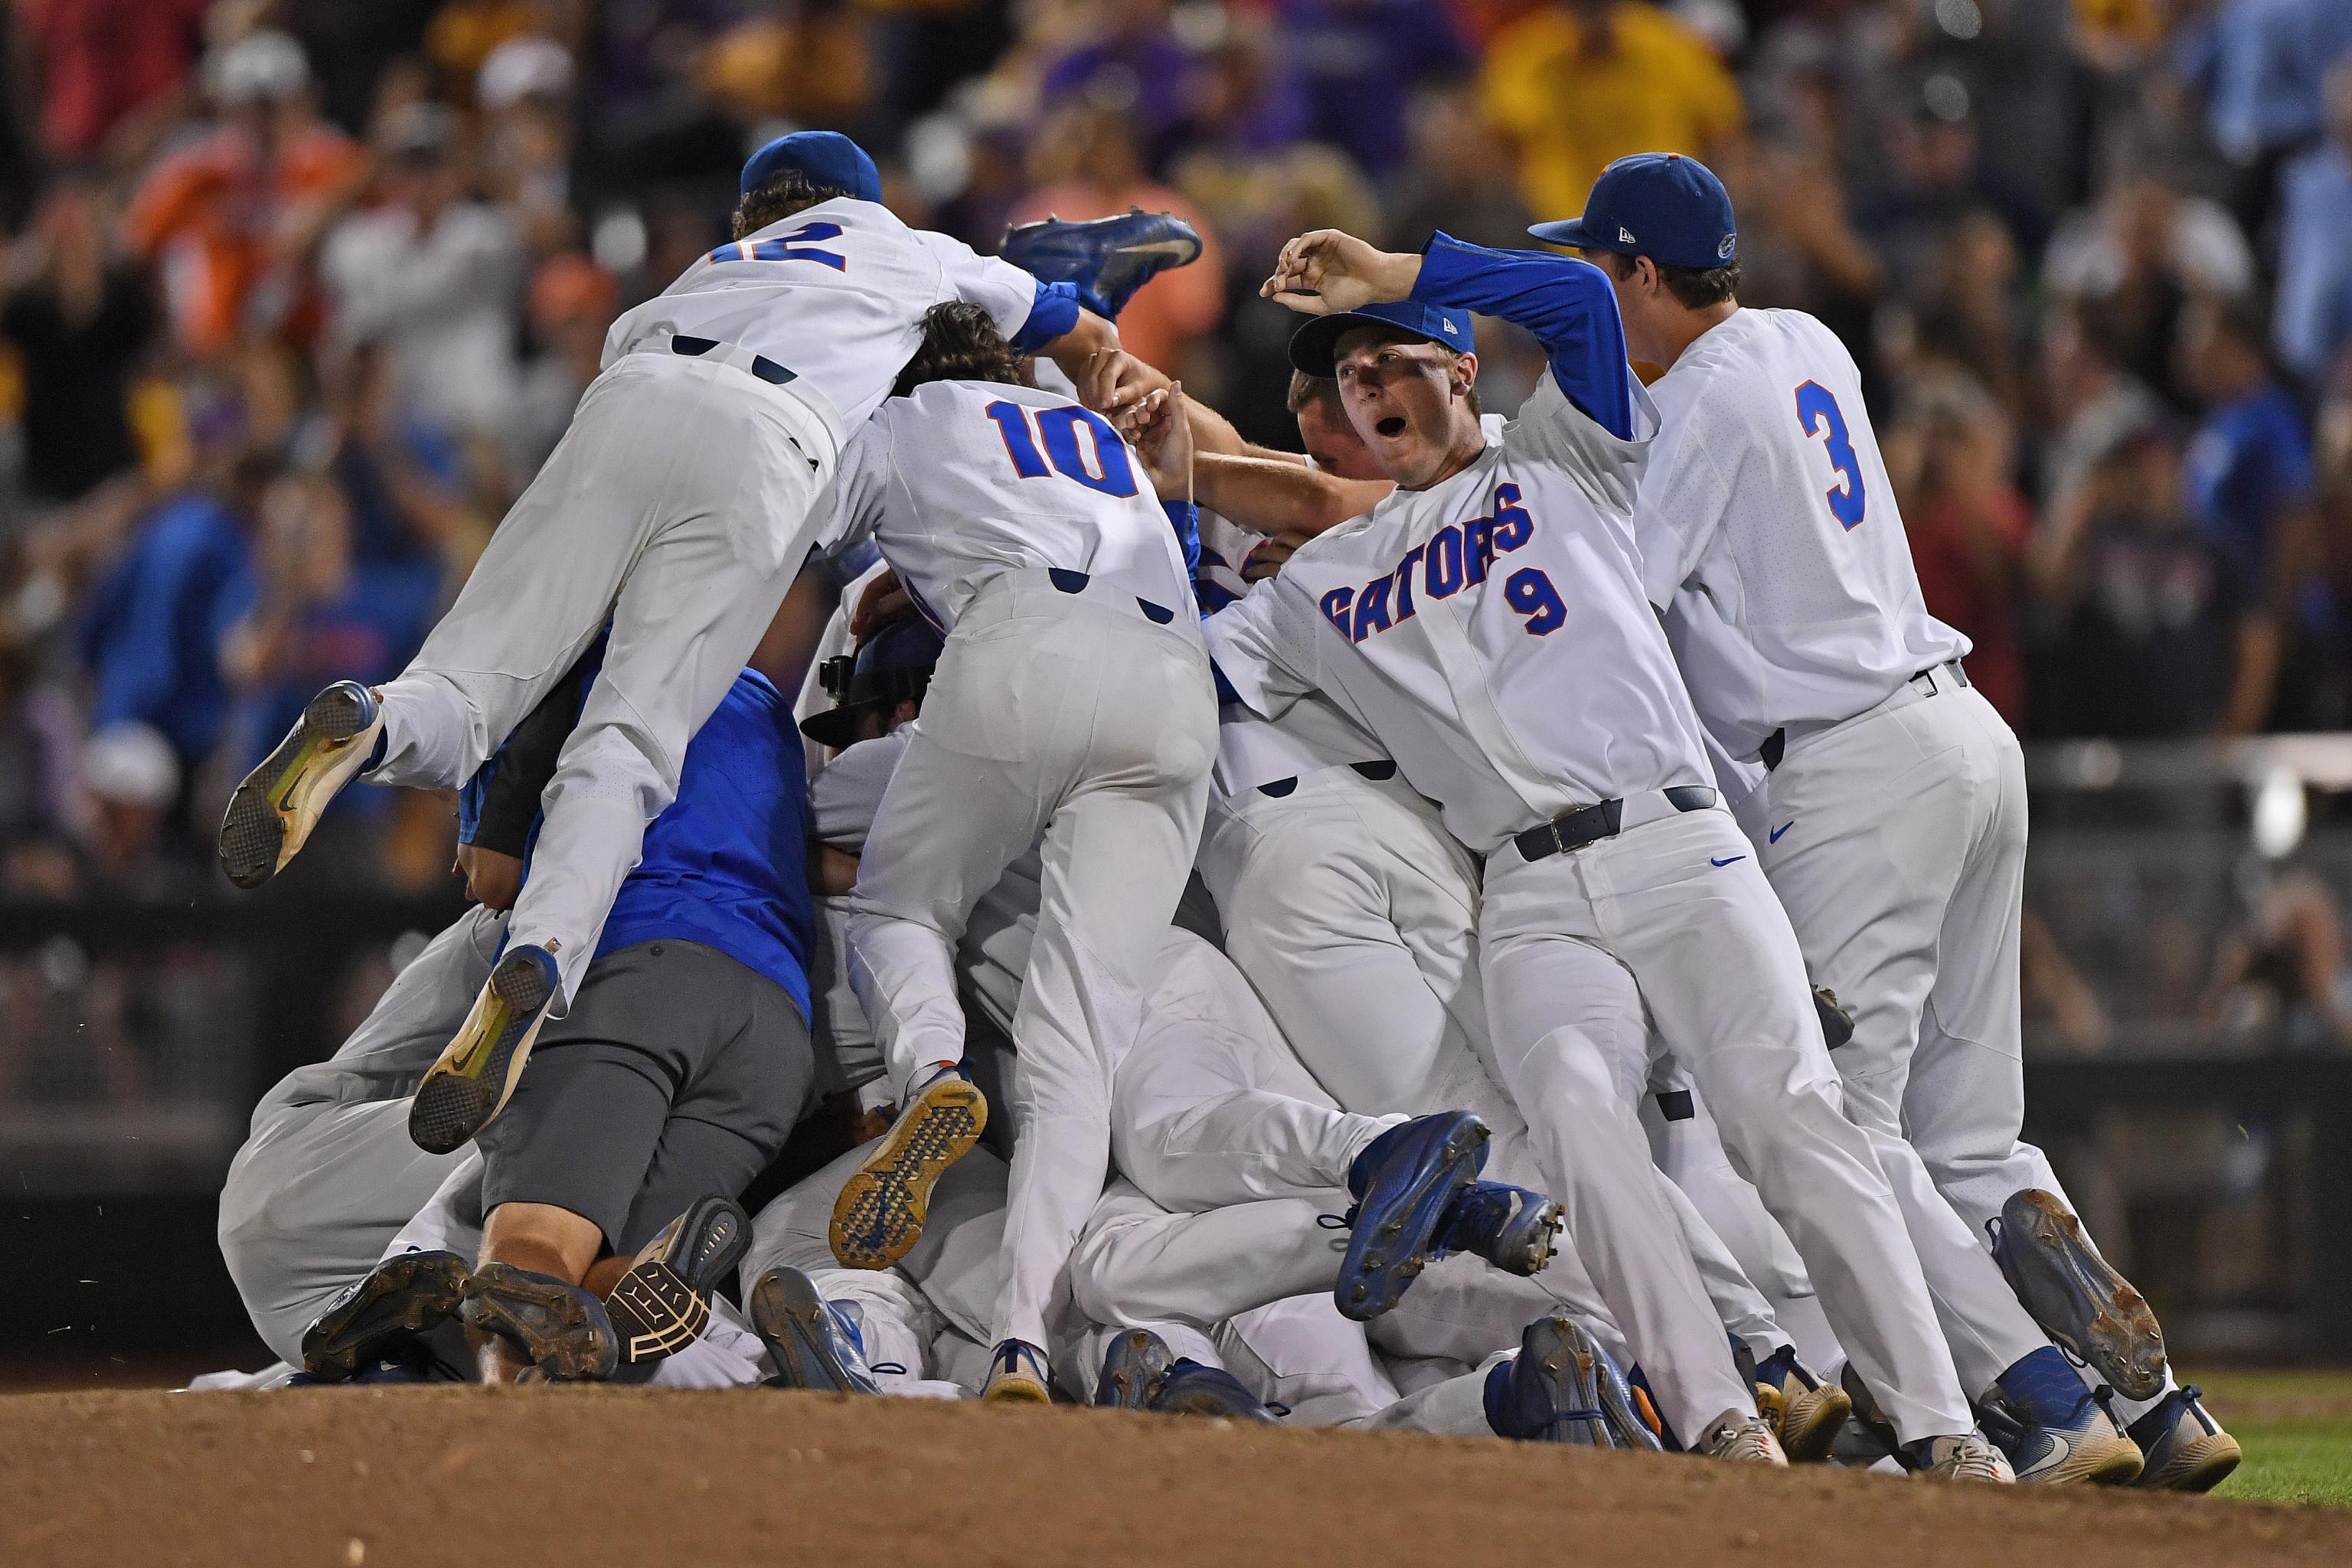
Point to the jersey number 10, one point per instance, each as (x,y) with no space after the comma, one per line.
(1818,412)
(1025,429)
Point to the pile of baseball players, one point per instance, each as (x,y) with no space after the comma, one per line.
(1487,927)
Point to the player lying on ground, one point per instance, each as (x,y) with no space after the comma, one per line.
(678,508)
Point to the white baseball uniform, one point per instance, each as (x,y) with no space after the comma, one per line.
(1492,631)
(1073,702)
(677,507)
(1892,822)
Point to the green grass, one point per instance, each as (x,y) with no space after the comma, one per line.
(2296,1429)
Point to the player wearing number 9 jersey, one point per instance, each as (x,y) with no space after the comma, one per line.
(1072,701)
(1487,622)
(1892,820)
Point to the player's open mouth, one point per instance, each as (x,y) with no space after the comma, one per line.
(1392,426)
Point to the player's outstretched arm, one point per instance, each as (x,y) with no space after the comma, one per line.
(1566,303)
(1278,497)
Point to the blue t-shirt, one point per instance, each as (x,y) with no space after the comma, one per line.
(151,630)
(726,865)
(2249,462)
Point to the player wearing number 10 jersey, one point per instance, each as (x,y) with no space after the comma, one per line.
(1892,820)
(1073,702)
(1487,622)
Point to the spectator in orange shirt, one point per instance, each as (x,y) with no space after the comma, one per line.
(1580,85)
(232,220)
(1089,165)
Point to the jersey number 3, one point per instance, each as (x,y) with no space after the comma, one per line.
(1025,429)
(1818,412)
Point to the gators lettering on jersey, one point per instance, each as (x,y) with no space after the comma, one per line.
(1490,631)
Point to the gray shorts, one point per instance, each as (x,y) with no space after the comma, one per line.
(679,1073)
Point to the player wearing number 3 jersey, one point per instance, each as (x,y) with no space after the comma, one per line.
(1487,622)
(1892,820)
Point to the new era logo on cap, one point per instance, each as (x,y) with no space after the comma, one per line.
(1448,323)
(1664,205)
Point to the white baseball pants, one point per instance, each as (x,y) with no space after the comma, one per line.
(1354,914)
(329,1172)
(1671,921)
(676,508)
(1901,860)
(1072,717)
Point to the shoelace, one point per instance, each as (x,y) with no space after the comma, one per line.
(886,1368)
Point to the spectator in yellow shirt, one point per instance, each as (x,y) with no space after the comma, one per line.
(1580,85)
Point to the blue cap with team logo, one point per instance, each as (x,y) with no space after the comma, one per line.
(1663,205)
(1313,346)
(826,157)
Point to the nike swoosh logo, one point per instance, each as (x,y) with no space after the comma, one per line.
(1712,861)
(1775,836)
(1158,248)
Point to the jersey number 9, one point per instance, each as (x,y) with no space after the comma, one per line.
(1025,429)
(1530,593)
(1818,411)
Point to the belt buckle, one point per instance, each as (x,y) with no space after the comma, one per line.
(1559,844)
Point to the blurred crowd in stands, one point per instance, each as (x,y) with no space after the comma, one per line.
(296,294)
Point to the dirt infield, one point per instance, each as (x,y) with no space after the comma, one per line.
(371,1479)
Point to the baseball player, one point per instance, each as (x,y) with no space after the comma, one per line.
(1072,704)
(678,508)
(1487,622)
(1353,910)
(1893,813)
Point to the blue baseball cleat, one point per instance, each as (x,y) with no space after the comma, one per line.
(1510,1228)
(812,1342)
(272,813)
(1108,258)
(477,1072)
(2081,1302)
(1403,1183)
(1132,1370)
(1552,1391)
(663,1303)
(2056,1432)
(1191,1388)
(2187,1450)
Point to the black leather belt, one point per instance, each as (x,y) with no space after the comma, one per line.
(764,367)
(1076,583)
(1594,823)
(1373,770)
(1776,744)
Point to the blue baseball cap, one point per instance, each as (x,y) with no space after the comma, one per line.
(826,157)
(1313,347)
(1663,205)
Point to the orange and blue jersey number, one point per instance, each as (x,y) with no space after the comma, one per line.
(1458,556)
(1818,412)
(797,245)
(1056,430)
